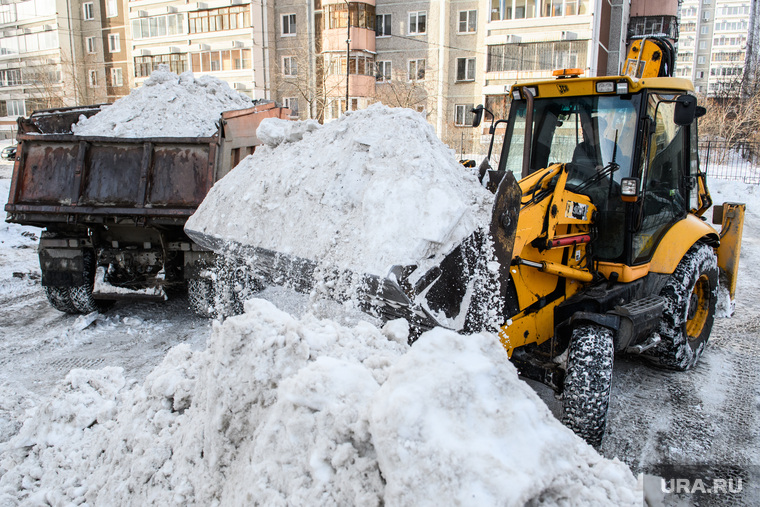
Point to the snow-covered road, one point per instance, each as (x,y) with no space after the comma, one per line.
(706,417)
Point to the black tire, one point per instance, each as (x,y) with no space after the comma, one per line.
(691,295)
(588,379)
(82,296)
(59,298)
(200,294)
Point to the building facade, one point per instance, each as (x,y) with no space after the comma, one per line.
(717,44)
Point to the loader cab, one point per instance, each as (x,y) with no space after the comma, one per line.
(607,135)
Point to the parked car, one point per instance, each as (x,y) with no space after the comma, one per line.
(9,152)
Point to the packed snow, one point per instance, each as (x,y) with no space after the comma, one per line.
(385,189)
(166,105)
(281,411)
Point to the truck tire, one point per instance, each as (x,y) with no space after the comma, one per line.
(59,298)
(691,295)
(588,379)
(81,296)
(200,294)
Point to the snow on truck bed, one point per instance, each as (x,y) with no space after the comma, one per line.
(286,411)
(166,105)
(370,190)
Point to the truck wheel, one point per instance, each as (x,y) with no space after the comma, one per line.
(588,379)
(59,298)
(81,296)
(200,293)
(691,295)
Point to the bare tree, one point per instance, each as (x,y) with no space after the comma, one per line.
(733,113)
(307,77)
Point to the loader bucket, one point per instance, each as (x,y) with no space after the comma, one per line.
(464,292)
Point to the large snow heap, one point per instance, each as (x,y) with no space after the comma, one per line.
(166,105)
(370,190)
(280,411)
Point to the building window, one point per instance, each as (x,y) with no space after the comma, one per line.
(383,25)
(700,60)
(114,44)
(537,56)
(177,63)
(292,104)
(92,78)
(289,66)
(158,26)
(704,29)
(356,14)
(214,20)
(383,72)
(232,59)
(87,12)
(288,24)
(117,78)
(706,15)
(417,70)
(417,22)
(90,44)
(463,115)
(468,21)
(10,77)
(112,8)
(465,69)
(14,108)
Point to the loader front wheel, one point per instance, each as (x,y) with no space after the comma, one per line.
(690,298)
(588,379)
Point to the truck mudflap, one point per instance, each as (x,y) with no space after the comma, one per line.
(465,292)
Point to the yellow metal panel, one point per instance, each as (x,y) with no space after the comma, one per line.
(731,242)
(677,242)
(587,85)
(625,273)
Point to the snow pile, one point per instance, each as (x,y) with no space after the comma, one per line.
(279,411)
(166,105)
(370,190)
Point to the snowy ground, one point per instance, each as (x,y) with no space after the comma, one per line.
(706,417)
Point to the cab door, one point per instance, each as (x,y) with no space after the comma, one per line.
(665,198)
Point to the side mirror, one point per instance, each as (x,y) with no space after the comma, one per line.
(701,111)
(478,115)
(686,110)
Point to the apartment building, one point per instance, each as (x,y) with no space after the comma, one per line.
(716,44)
(528,39)
(219,37)
(318,57)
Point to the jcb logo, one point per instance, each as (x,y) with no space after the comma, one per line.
(563,88)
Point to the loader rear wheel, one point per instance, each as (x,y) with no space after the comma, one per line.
(200,294)
(58,297)
(588,379)
(690,298)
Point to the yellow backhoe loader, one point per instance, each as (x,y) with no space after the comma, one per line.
(602,246)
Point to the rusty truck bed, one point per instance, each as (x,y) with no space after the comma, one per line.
(64,178)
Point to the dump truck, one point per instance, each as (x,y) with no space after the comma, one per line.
(119,204)
(601,248)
